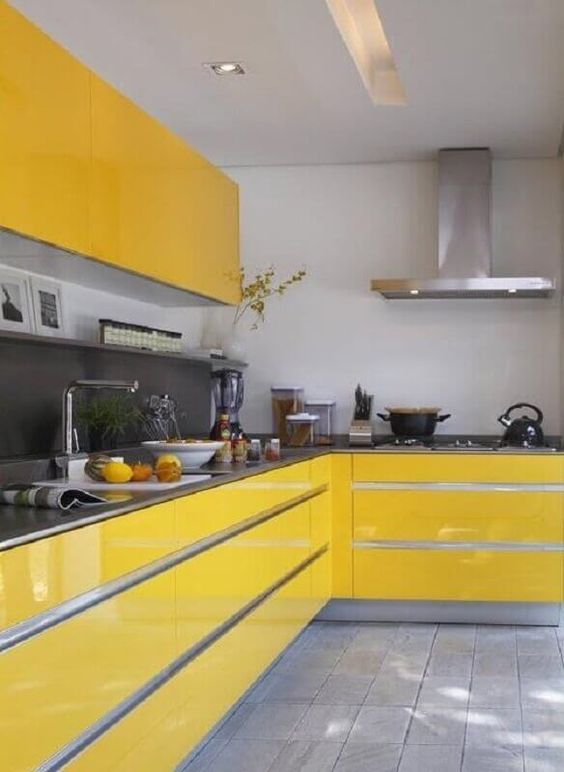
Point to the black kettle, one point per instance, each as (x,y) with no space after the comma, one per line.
(523,431)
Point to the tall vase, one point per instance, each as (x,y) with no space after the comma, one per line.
(233,344)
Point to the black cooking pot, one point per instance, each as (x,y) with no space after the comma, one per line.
(413,422)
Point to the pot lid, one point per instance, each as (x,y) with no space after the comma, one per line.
(411,410)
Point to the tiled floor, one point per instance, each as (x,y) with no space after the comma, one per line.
(402,698)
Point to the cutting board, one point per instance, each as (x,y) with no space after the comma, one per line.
(151,485)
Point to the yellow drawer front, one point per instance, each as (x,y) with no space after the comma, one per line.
(321,578)
(37,576)
(57,684)
(466,467)
(451,516)
(214,585)
(464,575)
(149,739)
(210,511)
(216,680)
(320,470)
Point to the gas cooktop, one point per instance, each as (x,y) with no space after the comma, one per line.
(435,443)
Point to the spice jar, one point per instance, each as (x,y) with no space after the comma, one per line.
(285,401)
(324,408)
(302,429)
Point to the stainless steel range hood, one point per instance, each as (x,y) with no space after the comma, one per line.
(465,252)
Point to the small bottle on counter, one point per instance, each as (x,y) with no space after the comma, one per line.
(224,455)
(254,451)
(272,451)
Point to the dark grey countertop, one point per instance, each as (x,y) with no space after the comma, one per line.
(21,525)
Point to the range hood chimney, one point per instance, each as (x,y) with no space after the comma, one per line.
(465,250)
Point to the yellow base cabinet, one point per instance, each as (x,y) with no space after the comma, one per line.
(39,576)
(45,151)
(457,575)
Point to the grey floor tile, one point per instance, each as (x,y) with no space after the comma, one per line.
(270,721)
(331,723)
(344,690)
(395,662)
(495,638)
(492,692)
(442,664)
(234,722)
(247,756)
(492,760)
(455,639)
(294,686)
(431,758)
(359,662)
(302,756)
(444,692)
(369,634)
(544,759)
(369,757)
(543,729)
(394,689)
(540,666)
(203,761)
(537,640)
(542,694)
(309,660)
(502,664)
(437,726)
(494,728)
(380,725)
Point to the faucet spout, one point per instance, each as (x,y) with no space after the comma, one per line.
(70,442)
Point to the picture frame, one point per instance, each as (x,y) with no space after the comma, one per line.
(16,313)
(48,308)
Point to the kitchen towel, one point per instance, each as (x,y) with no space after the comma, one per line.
(48,498)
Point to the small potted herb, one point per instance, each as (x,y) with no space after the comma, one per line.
(107,419)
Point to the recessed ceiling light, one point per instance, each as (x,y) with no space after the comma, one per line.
(512,291)
(362,31)
(226,68)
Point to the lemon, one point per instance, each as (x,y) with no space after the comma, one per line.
(168,459)
(117,472)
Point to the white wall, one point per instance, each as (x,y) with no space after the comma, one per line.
(348,224)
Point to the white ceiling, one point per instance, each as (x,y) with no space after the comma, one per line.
(476,72)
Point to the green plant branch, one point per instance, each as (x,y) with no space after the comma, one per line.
(255,293)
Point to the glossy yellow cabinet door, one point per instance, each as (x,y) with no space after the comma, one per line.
(45,149)
(57,684)
(38,576)
(158,208)
(465,575)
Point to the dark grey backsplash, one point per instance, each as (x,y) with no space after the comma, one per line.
(33,377)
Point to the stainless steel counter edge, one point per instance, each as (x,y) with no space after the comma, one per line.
(80,519)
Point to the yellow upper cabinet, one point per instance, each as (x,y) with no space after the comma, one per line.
(158,207)
(44,136)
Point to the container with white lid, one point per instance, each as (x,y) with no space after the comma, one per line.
(285,400)
(302,429)
(325,409)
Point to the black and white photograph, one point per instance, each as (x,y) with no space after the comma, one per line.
(14,299)
(47,306)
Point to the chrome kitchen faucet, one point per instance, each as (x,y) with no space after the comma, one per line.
(70,440)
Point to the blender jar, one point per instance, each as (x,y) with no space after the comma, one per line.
(285,401)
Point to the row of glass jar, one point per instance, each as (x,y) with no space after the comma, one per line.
(299,421)
(139,336)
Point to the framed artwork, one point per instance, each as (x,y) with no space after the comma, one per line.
(48,309)
(15,307)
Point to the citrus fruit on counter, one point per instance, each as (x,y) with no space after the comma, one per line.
(168,459)
(141,472)
(168,472)
(117,472)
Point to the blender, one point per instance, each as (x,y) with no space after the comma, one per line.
(228,391)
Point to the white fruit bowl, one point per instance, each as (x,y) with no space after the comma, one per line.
(191,454)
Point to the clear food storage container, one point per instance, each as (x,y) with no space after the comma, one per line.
(324,408)
(302,429)
(285,401)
